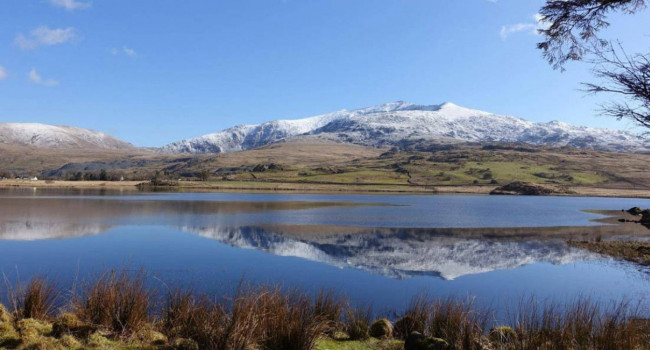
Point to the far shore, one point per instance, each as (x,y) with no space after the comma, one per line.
(276,187)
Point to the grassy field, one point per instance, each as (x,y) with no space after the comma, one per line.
(324,167)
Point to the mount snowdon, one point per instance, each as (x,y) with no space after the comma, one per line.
(395,122)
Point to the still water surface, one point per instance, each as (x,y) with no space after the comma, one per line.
(376,249)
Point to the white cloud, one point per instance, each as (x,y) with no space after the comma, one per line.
(44,36)
(3,73)
(129,52)
(530,27)
(35,78)
(516,28)
(125,50)
(70,5)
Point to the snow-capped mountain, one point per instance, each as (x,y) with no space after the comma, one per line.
(391,123)
(57,137)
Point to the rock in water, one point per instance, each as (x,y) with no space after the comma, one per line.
(635,211)
(645,218)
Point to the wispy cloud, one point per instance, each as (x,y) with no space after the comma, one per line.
(3,73)
(35,78)
(44,36)
(124,50)
(532,27)
(70,5)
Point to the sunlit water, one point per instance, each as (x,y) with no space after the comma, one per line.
(376,249)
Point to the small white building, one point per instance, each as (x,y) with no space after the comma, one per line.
(33,178)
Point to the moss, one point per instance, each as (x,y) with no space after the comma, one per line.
(31,329)
(5,316)
(503,335)
(98,341)
(43,343)
(185,344)
(150,336)
(417,341)
(372,344)
(70,324)
(381,329)
(70,342)
(9,337)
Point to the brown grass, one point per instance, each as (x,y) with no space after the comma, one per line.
(123,308)
(117,301)
(357,321)
(38,299)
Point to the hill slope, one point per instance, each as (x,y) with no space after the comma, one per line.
(396,122)
(58,137)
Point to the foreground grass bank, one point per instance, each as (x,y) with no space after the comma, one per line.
(119,311)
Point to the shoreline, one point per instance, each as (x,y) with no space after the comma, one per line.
(288,187)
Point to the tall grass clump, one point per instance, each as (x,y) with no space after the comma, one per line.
(118,301)
(357,321)
(458,322)
(581,324)
(38,299)
(257,316)
(328,306)
(188,316)
(415,318)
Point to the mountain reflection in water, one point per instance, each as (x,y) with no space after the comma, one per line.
(398,255)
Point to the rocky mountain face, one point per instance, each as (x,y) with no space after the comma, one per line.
(396,122)
(58,137)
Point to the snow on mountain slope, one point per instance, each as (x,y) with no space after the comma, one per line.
(391,123)
(57,137)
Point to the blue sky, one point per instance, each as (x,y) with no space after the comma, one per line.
(157,71)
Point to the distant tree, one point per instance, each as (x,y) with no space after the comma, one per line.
(571,34)
(204,175)
(78,176)
(103,176)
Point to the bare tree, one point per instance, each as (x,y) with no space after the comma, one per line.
(625,75)
(573,25)
(571,35)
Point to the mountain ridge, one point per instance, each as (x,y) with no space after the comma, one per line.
(47,136)
(390,123)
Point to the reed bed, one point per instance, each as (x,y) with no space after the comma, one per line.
(119,310)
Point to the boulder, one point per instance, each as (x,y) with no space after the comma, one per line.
(418,341)
(405,326)
(381,329)
(523,188)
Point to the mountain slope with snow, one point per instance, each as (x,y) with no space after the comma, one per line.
(58,137)
(391,123)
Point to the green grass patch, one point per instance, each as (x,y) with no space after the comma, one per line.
(370,344)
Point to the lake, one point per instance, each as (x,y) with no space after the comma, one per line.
(377,249)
